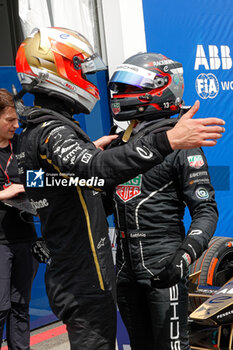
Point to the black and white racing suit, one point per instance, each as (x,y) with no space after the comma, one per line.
(149,212)
(80,276)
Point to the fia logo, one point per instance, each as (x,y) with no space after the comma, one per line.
(35,178)
(207,85)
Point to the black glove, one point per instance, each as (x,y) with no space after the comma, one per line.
(171,269)
(40,251)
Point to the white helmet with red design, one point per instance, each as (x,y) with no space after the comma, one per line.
(55,61)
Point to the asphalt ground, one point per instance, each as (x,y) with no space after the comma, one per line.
(51,337)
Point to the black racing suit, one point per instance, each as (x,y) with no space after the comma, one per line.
(80,277)
(149,212)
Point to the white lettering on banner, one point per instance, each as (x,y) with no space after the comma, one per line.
(216,58)
(215,62)
(174,319)
(227,85)
(126,347)
(226,58)
(200,58)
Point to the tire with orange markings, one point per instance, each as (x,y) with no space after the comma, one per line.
(216,265)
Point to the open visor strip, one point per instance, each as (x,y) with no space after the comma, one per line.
(93,64)
(133,75)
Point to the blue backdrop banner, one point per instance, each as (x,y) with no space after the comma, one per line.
(199,35)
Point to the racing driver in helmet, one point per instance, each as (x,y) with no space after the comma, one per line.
(53,64)
(153,251)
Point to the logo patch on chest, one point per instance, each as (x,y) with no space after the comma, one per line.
(196,161)
(130,189)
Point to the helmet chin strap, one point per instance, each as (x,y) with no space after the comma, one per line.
(129,130)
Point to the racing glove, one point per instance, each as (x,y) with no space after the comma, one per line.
(171,269)
(40,251)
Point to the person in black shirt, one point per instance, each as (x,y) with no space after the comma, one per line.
(17,265)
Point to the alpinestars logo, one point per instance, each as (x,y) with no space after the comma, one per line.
(215,58)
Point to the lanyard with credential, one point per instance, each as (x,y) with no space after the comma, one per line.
(8,182)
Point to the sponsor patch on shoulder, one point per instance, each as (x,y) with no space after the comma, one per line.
(202,193)
(196,161)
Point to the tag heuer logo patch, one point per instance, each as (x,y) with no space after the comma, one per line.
(196,161)
(129,189)
(116,108)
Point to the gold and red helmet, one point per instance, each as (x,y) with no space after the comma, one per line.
(58,59)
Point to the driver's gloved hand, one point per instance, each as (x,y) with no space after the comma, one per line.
(173,268)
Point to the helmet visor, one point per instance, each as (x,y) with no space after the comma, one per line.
(93,64)
(133,75)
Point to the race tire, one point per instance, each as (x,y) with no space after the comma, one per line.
(216,265)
